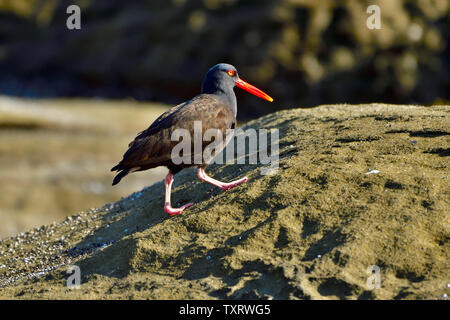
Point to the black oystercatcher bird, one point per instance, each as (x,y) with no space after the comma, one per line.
(215,107)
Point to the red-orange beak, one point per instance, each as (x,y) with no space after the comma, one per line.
(252,89)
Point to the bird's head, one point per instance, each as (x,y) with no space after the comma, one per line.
(223,77)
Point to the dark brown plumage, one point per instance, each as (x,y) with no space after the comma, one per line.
(153,146)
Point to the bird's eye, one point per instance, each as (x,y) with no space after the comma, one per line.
(231,73)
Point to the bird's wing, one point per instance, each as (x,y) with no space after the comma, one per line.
(153,146)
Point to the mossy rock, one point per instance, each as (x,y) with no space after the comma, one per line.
(357,186)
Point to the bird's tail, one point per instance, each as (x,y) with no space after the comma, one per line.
(119,176)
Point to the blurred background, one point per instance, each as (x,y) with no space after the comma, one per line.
(71,100)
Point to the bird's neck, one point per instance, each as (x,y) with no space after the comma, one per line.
(227,96)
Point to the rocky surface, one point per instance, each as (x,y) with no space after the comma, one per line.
(357,186)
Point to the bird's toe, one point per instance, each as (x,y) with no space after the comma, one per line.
(176,211)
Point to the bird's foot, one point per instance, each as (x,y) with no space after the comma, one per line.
(228,186)
(175,211)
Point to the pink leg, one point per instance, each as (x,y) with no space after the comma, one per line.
(167,207)
(223,185)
